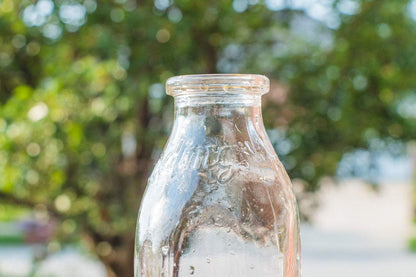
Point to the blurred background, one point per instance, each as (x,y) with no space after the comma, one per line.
(84,116)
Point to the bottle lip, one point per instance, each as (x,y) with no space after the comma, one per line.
(217,83)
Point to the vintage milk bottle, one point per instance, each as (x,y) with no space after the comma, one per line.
(219,202)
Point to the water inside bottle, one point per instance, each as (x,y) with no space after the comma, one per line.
(220,252)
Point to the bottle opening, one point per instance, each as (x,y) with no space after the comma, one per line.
(217,83)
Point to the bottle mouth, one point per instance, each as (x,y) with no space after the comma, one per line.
(217,83)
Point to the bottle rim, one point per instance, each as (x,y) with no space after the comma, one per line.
(217,83)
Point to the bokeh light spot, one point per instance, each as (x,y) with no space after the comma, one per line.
(33,48)
(412,9)
(104,248)
(240,5)
(119,73)
(359,82)
(52,31)
(38,112)
(33,149)
(5,59)
(348,7)
(174,15)
(163,36)
(63,203)
(117,15)
(157,91)
(32,177)
(72,14)
(69,226)
(384,30)
(162,4)
(90,5)
(31,17)
(275,5)
(19,41)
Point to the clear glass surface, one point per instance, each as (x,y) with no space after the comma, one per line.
(219,202)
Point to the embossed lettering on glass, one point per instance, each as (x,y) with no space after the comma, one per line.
(219,202)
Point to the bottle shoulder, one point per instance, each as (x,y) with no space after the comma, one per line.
(227,158)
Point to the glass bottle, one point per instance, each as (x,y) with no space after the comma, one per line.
(219,202)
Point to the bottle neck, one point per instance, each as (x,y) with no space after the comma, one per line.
(226,117)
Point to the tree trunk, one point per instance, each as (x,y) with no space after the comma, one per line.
(119,262)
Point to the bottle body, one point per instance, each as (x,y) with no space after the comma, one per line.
(219,202)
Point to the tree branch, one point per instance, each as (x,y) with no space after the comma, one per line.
(13,200)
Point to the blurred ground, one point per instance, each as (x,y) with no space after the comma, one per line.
(17,260)
(357,231)
(360,232)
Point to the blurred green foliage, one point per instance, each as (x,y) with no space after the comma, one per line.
(412,244)
(10,212)
(83,113)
